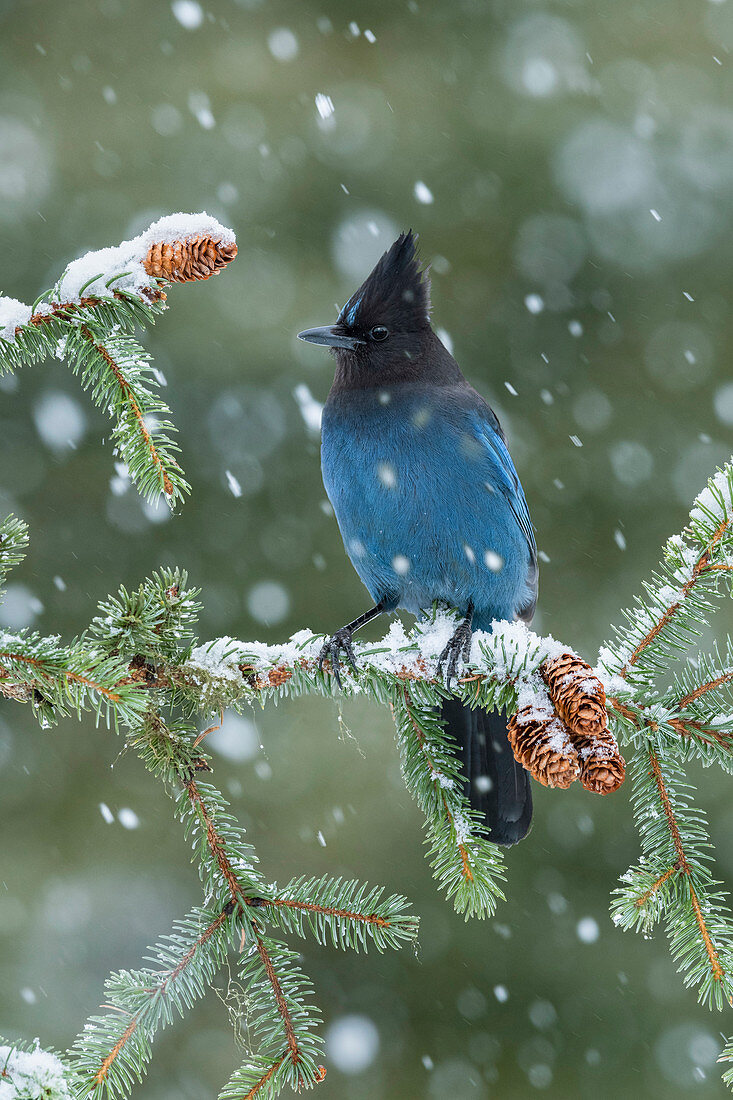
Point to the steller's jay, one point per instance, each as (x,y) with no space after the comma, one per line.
(428,502)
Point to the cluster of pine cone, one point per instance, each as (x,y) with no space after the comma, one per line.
(571,741)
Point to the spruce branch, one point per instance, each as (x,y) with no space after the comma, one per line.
(113,1051)
(667,725)
(13,545)
(343,912)
(141,658)
(287,1022)
(255,1079)
(468,867)
(89,318)
(150,462)
(57,679)
(680,595)
(219,835)
(713,976)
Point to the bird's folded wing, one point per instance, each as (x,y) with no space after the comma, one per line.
(507,482)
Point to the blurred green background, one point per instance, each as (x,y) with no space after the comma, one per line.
(569,167)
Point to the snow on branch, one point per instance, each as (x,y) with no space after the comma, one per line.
(27,1072)
(176,248)
(89,318)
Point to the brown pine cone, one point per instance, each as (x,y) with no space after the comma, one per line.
(602,767)
(577,694)
(185,260)
(541,744)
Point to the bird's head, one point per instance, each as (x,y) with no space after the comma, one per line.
(385,323)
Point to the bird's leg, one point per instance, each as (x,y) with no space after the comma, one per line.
(341,640)
(459,645)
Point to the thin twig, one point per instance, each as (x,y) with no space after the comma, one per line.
(159,991)
(325,910)
(701,566)
(206,935)
(702,688)
(264,1079)
(211,729)
(467,872)
(129,1031)
(685,726)
(656,885)
(59,309)
(280,1001)
(74,677)
(216,844)
(684,866)
(133,405)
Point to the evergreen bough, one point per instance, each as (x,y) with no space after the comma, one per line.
(140,670)
(90,317)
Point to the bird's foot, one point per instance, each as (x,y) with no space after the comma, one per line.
(458,647)
(331,650)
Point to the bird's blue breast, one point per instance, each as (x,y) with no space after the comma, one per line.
(427,501)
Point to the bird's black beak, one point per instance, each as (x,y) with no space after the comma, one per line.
(331,337)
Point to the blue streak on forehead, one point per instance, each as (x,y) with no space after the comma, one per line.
(350,311)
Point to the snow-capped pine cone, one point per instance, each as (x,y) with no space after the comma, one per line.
(542,746)
(577,694)
(183,261)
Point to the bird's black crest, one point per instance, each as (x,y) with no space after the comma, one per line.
(395,294)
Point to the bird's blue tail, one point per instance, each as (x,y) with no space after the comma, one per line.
(495,784)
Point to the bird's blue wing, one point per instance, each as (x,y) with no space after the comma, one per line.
(507,482)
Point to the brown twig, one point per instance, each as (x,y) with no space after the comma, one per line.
(211,729)
(131,400)
(280,1001)
(682,861)
(701,566)
(467,872)
(684,866)
(264,1079)
(215,842)
(684,726)
(129,1031)
(160,991)
(656,885)
(325,910)
(702,688)
(206,935)
(74,677)
(58,310)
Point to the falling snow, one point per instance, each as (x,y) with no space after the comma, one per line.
(324,105)
(188,13)
(423,193)
(310,409)
(235,487)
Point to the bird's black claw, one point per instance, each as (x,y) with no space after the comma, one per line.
(459,646)
(330,651)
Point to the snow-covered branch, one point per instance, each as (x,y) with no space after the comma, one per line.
(89,318)
(140,666)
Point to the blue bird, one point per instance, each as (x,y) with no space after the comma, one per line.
(428,502)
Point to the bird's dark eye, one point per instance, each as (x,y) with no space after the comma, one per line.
(379,332)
